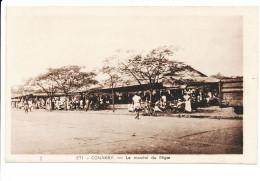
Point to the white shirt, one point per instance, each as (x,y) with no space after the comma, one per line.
(186,97)
(136,99)
(164,98)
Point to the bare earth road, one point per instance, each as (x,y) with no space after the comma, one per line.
(41,132)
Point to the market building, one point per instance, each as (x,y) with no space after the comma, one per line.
(173,86)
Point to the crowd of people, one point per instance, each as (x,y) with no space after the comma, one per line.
(188,101)
(64,103)
(163,101)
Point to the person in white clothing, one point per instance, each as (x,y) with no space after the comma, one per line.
(157,107)
(164,100)
(30,104)
(81,104)
(137,105)
(187,102)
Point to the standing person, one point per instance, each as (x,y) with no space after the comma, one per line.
(76,104)
(68,104)
(71,105)
(199,99)
(49,107)
(187,102)
(101,103)
(65,103)
(57,104)
(26,107)
(30,104)
(193,102)
(87,103)
(137,105)
(47,104)
(208,98)
(164,101)
(81,104)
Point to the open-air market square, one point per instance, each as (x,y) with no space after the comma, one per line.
(105,132)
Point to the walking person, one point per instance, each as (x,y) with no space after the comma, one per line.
(137,105)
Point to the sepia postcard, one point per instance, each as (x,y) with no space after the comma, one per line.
(131,84)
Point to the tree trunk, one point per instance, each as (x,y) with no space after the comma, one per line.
(66,103)
(51,104)
(113,99)
(150,104)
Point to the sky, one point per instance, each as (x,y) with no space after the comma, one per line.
(42,37)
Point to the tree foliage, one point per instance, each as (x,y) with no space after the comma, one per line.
(66,79)
(113,76)
(112,72)
(22,90)
(152,68)
(46,83)
(69,79)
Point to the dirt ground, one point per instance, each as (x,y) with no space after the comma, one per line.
(61,132)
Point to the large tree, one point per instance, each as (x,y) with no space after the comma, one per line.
(70,79)
(24,89)
(66,79)
(113,78)
(153,67)
(45,83)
